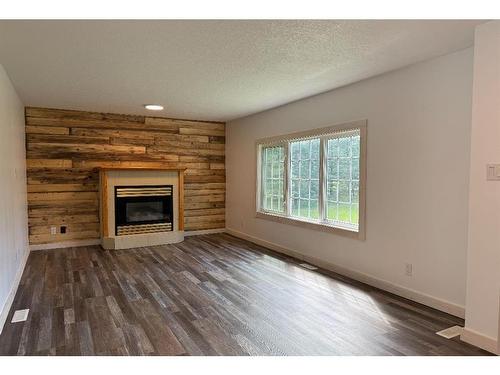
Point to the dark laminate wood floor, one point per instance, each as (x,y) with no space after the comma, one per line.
(210,295)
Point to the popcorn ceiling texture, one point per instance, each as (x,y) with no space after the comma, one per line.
(210,70)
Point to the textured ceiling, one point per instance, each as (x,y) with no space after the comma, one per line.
(213,70)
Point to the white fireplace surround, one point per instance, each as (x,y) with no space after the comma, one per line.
(131,177)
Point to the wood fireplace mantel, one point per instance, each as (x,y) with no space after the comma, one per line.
(104,191)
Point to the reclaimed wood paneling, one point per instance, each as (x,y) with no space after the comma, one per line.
(64,149)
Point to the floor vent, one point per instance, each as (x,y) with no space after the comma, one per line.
(308,266)
(451,332)
(20,316)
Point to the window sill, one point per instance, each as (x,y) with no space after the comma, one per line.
(324,227)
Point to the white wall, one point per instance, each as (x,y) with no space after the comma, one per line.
(417,182)
(483,264)
(13,207)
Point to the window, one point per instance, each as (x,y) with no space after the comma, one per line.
(304,160)
(342,178)
(315,178)
(273,169)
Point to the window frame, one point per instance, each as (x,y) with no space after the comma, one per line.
(322,224)
(260,170)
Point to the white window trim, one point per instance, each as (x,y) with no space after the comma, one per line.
(285,175)
(324,225)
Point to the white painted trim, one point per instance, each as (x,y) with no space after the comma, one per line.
(142,240)
(65,244)
(411,294)
(77,243)
(322,223)
(12,294)
(204,231)
(477,339)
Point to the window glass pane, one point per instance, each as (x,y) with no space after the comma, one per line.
(315,149)
(314,212)
(314,189)
(269,170)
(295,150)
(304,150)
(276,153)
(344,168)
(355,146)
(355,191)
(342,174)
(344,212)
(344,195)
(314,168)
(273,164)
(344,147)
(295,169)
(355,168)
(332,190)
(276,203)
(305,169)
(333,168)
(276,186)
(295,188)
(333,148)
(276,169)
(354,213)
(304,208)
(306,186)
(332,211)
(295,207)
(268,202)
(304,189)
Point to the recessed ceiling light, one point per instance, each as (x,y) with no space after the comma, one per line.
(153,107)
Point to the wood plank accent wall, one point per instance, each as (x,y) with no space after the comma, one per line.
(64,149)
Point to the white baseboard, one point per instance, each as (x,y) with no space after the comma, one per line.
(204,231)
(12,294)
(411,294)
(477,339)
(62,245)
(76,243)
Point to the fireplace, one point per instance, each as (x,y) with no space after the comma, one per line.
(143,209)
(141,206)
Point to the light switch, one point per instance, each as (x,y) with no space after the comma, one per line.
(493,172)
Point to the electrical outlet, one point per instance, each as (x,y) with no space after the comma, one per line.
(409,269)
(53,230)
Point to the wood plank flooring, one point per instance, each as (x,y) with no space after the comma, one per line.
(210,295)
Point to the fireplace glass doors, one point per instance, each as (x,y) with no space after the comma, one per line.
(143,209)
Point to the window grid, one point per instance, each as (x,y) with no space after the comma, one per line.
(304,158)
(335,177)
(342,179)
(273,163)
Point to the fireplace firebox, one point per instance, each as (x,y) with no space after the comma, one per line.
(143,209)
